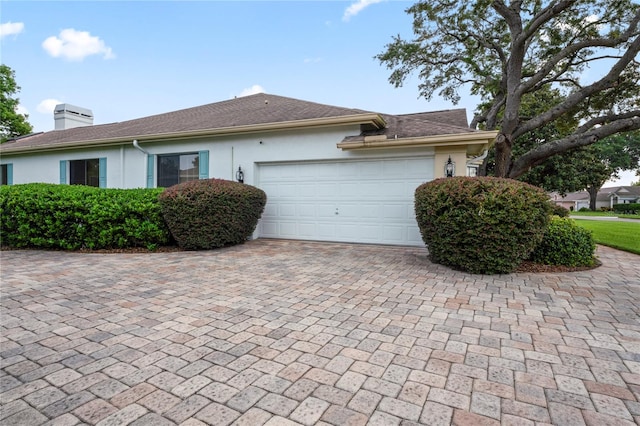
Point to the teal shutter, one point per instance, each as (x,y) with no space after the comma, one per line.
(63,171)
(9,174)
(204,164)
(150,159)
(102,172)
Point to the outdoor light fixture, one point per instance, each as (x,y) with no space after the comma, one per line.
(240,175)
(449,168)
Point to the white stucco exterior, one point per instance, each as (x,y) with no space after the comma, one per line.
(126,166)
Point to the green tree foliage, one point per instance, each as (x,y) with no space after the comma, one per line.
(508,52)
(12,123)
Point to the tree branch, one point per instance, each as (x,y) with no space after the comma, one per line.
(580,95)
(543,152)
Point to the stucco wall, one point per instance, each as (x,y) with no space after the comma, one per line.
(126,166)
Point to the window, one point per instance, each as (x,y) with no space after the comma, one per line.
(177,168)
(90,172)
(84,172)
(165,170)
(6,174)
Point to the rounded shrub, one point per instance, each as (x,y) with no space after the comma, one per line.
(72,217)
(211,213)
(565,243)
(481,224)
(559,211)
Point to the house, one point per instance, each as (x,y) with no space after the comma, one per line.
(606,198)
(330,173)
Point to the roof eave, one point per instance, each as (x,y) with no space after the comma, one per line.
(355,119)
(458,139)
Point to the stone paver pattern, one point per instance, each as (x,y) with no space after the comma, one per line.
(277,332)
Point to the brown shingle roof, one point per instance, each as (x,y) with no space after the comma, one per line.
(251,110)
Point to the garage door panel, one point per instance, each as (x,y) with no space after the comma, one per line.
(395,234)
(307,230)
(357,201)
(288,229)
(306,210)
(287,210)
(394,212)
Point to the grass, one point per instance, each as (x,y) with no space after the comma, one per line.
(620,235)
(606,214)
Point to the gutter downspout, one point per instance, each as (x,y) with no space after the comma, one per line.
(144,151)
(122,166)
(139,148)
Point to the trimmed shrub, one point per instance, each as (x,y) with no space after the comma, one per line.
(481,224)
(559,211)
(584,209)
(211,213)
(565,243)
(72,217)
(629,208)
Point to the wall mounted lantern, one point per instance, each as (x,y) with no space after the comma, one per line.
(240,175)
(450,168)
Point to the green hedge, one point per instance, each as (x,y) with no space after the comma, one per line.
(481,224)
(74,217)
(565,243)
(631,208)
(211,213)
(559,211)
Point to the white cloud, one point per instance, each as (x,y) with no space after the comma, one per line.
(256,88)
(47,106)
(76,45)
(11,28)
(357,7)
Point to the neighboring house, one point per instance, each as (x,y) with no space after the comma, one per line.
(330,173)
(606,198)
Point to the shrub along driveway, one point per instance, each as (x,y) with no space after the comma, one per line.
(280,332)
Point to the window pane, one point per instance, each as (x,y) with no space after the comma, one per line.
(3,175)
(189,167)
(168,170)
(77,172)
(93,172)
(174,169)
(84,172)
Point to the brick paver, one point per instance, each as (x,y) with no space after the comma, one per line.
(283,332)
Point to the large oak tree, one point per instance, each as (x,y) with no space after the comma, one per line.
(507,51)
(12,123)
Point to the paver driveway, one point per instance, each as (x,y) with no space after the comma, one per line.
(280,332)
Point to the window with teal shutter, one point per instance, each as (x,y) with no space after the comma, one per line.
(63,171)
(102,172)
(150,161)
(6,174)
(204,164)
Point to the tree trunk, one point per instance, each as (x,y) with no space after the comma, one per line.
(593,197)
(503,155)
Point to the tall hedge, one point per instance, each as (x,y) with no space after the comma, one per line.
(211,213)
(481,224)
(73,217)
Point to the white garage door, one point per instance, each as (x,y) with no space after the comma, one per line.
(369,201)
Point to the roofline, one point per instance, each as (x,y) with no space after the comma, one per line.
(381,141)
(374,119)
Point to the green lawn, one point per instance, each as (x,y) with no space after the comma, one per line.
(621,235)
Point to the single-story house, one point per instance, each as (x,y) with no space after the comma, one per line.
(606,198)
(330,173)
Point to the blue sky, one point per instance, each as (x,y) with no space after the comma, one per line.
(131,59)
